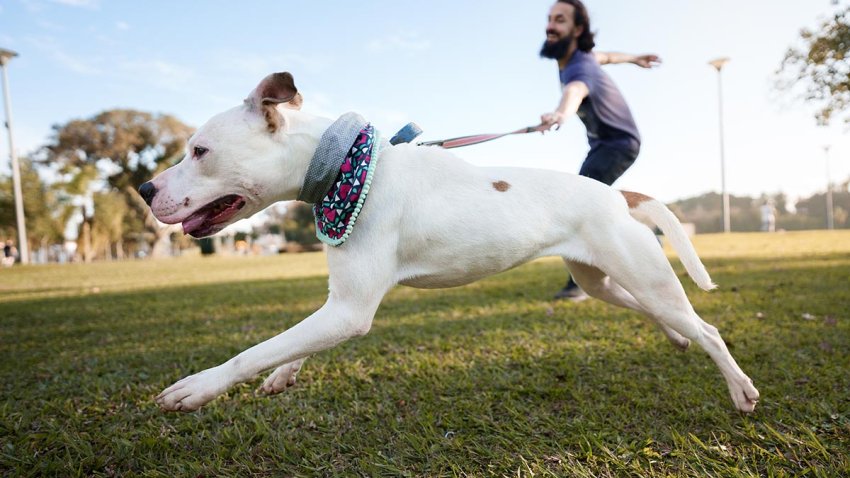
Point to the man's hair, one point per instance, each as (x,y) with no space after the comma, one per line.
(582,19)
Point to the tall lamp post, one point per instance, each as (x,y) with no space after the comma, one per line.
(830,224)
(718,65)
(5,56)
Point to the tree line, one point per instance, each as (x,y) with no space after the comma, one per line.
(745,212)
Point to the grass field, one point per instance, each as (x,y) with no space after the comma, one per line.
(488,379)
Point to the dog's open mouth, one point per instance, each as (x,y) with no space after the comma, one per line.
(213,217)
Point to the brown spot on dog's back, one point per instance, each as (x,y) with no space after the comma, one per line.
(501,186)
(634,199)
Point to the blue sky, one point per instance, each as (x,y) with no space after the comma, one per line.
(454,67)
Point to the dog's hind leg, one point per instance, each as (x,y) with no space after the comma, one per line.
(282,378)
(633,259)
(599,285)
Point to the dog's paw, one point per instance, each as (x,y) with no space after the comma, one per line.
(745,396)
(282,378)
(194,391)
(682,344)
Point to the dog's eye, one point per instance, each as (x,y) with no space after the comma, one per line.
(199,151)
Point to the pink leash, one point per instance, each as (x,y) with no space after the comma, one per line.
(475,138)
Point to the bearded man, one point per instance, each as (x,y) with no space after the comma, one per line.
(589,92)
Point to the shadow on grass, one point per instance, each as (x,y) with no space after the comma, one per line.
(471,376)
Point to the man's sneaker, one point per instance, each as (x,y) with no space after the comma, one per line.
(572,294)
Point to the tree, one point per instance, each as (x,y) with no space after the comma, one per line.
(820,66)
(705,213)
(108,226)
(299,225)
(44,211)
(117,151)
(814,209)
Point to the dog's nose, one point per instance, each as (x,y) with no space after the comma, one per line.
(147,191)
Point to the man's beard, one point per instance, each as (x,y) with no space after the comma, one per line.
(555,50)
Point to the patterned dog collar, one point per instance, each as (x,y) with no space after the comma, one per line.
(336,212)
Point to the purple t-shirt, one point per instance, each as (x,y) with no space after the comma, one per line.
(604,112)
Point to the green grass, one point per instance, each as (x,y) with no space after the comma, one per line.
(488,379)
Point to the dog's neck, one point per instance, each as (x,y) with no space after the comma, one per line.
(305,124)
(299,140)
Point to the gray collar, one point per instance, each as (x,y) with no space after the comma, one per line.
(334,145)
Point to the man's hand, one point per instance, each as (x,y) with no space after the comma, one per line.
(574,93)
(548,120)
(646,61)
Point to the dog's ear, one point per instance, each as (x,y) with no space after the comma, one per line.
(275,89)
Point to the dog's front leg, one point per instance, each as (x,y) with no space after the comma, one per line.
(338,320)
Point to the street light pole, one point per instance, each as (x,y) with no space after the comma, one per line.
(718,65)
(830,224)
(23,250)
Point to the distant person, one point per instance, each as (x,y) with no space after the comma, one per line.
(768,217)
(588,92)
(9,253)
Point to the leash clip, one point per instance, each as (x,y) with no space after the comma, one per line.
(406,134)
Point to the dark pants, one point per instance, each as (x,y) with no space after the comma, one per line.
(605,164)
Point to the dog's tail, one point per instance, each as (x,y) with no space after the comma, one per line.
(653,212)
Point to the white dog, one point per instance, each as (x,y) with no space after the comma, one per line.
(431,221)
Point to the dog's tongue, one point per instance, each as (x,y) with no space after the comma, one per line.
(192,223)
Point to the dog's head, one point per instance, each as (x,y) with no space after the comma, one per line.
(234,165)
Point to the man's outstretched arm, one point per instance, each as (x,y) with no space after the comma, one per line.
(573,94)
(612,58)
